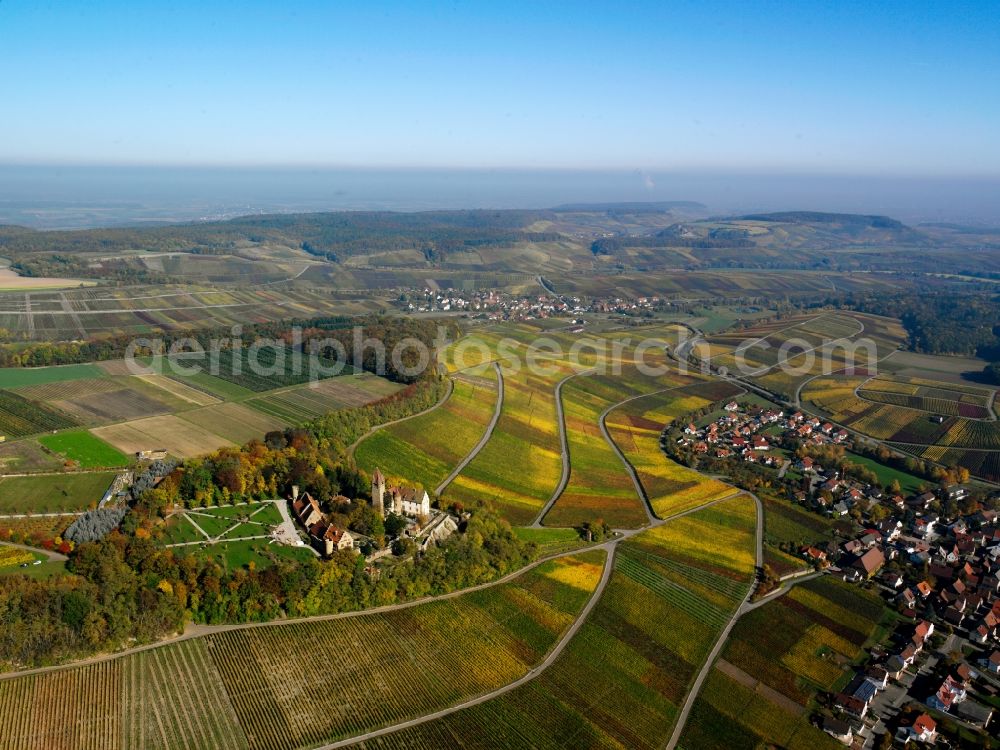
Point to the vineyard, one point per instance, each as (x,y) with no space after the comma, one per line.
(776,659)
(302,684)
(425,449)
(623,676)
(599,486)
(929,396)
(520,466)
(20,417)
(636,426)
(800,643)
(834,396)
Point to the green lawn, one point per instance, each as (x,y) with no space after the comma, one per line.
(17,377)
(86,449)
(53,493)
(909,483)
(239,554)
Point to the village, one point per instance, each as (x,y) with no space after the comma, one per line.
(936,566)
(497,306)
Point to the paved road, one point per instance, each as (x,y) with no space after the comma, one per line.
(564,446)
(483,440)
(530,675)
(53,556)
(376,428)
(637,483)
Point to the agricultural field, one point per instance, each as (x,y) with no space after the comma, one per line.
(834,396)
(808,345)
(623,676)
(636,426)
(424,450)
(84,449)
(22,456)
(929,396)
(520,466)
(259,688)
(20,417)
(177,436)
(599,486)
(785,523)
(235,422)
(84,312)
(53,493)
(130,409)
(936,368)
(18,377)
(777,658)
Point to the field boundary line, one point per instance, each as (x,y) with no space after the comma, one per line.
(553,654)
(483,440)
(636,481)
(564,451)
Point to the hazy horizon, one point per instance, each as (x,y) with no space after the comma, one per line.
(78,197)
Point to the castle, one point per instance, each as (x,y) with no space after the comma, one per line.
(405,501)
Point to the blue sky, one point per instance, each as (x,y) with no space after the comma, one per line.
(889,88)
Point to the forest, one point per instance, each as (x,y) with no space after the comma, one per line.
(125,586)
(941,322)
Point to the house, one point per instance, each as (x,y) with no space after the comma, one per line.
(869,563)
(851,705)
(975,713)
(894,579)
(731,406)
(805,464)
(838,729)
(305,508)
(924,527)
(955,492)
(951,693)
(924,589)
(760,443)
(811,553)
(327,538)
(991,663)
(923,729)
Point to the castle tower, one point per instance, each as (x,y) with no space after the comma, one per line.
(378,492)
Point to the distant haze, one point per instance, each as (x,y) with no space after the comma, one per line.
(76,196)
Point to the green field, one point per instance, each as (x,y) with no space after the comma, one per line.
(277,686)
(84,448)
(53,493)
(425,449)
(16,377)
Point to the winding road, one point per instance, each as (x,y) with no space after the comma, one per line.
(534,672)
(564,447)
(483,440)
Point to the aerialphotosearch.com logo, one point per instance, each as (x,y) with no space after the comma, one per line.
(310,359)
